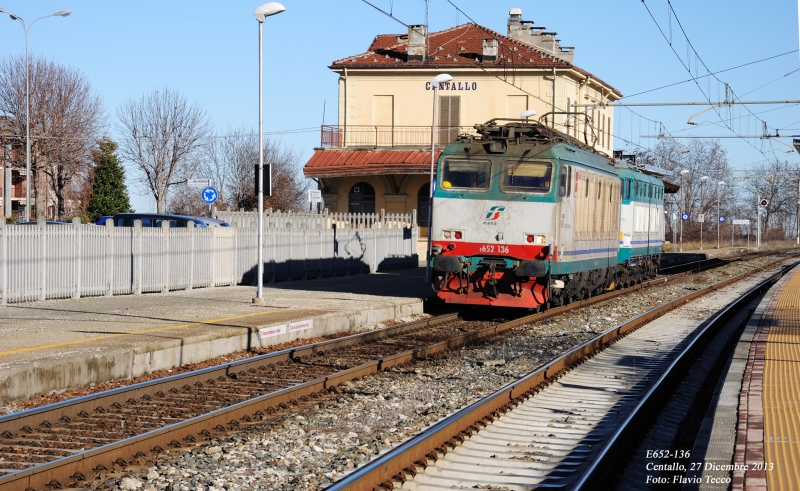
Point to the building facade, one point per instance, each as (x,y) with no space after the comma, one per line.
(378,156)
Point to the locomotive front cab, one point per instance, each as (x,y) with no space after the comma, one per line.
(492,229)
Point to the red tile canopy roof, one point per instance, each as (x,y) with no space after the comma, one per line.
(460,46)
(360,162)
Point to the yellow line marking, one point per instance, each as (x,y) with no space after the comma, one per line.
(156,329)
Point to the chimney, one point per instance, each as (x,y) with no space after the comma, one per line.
(525,31)
(489,50)
(567,54)
(416,43)
(514,22)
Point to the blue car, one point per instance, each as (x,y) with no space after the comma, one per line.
(156,219)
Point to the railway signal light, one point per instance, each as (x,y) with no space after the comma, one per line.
(764,202)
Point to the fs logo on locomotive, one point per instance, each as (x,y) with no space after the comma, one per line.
(495,212)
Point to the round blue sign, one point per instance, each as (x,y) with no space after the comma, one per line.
(685,216)
(209,195)
(721,219)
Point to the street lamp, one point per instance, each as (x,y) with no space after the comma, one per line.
(438,79)
(702,181)
(719,223)
(26,27)
(261,13)
(682,205)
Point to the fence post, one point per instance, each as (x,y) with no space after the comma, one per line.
(138,255)
(41,227)
(109,262)
(4,259)
(166,254)
(212,258)
(190,228)
(235,270)
(76,269)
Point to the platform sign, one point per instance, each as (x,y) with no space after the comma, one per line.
(685,216)
(315,196)
(741,222)
(721,219)
(701,217)
(209,195)
(198,183)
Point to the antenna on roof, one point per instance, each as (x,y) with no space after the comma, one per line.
(427,30)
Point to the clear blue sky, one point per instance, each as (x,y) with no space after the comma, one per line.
(209,52)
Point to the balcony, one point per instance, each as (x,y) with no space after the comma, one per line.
(356,136)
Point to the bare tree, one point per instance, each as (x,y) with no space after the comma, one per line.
(229,161)
(65,118)
(700,158)
(162,134)
(777,183)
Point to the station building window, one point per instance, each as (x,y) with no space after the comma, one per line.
(423,196)
(362,198)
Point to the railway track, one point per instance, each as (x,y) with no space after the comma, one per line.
(557,427)
(64,442)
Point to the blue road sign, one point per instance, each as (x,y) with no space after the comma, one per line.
(685,216)
(721,219)
(209,195)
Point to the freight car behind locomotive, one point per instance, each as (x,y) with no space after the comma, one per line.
(526,216)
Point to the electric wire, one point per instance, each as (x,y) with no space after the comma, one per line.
(708,75)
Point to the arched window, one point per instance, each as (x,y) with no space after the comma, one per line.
(362,198)
(423,195)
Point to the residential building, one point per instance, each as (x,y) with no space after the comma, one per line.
(378,155)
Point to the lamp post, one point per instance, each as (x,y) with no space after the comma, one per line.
(438,79)
(261,13)
(719,223)
(702,181)
(682,205)
(26,28)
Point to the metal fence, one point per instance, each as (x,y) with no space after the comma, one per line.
(62,261)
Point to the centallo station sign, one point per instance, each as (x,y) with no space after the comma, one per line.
(454,86)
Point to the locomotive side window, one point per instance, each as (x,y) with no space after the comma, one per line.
(520,175)
(563,186)
(469,174)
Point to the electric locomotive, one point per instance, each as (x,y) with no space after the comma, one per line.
(526,216)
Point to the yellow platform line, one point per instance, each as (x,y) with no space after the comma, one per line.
(135,333)
(781,392)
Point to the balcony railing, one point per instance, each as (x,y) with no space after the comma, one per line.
(335,136)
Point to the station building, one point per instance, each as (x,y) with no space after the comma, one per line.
(378,156)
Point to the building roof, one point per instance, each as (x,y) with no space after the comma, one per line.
(461,47)
(335,162)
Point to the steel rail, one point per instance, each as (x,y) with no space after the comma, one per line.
(644,408)
(227,418)
(414,455)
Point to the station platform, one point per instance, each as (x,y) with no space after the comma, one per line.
(54,345)
(767,445)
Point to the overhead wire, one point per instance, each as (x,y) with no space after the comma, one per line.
(709,75)
(672,13)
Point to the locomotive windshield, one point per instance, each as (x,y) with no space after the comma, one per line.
(527,175)
(471,174)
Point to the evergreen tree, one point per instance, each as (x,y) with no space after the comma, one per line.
(109,193)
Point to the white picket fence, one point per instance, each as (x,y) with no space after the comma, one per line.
(39,262)
(292,219)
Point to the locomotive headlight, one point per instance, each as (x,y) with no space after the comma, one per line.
(536,239)
(447,234)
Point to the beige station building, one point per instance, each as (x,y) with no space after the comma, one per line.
(378,156)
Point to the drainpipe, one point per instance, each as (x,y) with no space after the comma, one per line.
(344,136)
(554,95)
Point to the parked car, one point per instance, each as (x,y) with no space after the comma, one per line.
(102,220)
(156,219)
